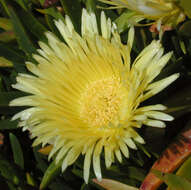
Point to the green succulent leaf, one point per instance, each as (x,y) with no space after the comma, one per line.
(8,172)
(30,180)
(185,169)
(6,24)
(185,29)
(173,181)
(17,150)
(32,24)
(90,5)
(11,186)
(13,54)
(41,164)
(8,124)
(52,171)
(24,42)
(52,11)
(5,62)
(23,3)
(7,36)
(122,20)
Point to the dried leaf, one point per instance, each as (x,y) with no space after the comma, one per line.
(46,150)
(110,184)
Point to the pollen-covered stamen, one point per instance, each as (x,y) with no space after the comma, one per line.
(101,102)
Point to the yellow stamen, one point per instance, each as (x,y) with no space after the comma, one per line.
(101,102)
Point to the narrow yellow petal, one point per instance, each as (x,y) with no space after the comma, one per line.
(154,123)
(87,162)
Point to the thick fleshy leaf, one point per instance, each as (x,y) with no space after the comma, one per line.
(7,36)
(30,179)
(185,29)
(52,12)
(8,124)
(6,24)
(8,172)
(91,5)
(17,150)
(23,3)
(173,181)
(4,62)
(136,173)
(123,20)
(25,43)
(40,163)
(185,169)
(31,23)
(12,54)
(52,171)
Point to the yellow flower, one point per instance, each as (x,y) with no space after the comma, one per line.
(86,95)
(162,11)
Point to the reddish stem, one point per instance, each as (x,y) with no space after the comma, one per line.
(171,158)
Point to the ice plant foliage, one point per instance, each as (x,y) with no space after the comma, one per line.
(162,11)
(85,94)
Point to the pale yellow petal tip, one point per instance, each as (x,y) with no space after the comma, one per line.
(89,24)
(97,172)
(177,75)
(86,178)
(14,102)
(110,184)
(99,177)
(130,144)
(155,123)
(11,103)
(84,12)
(139,139)
(159,107)
(106,26)
(51,37)
(69,23)
(167,117)
(131,35)
(58,24)
(172,78)
(170,118)
(64,165)
(35,143)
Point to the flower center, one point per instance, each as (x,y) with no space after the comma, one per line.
(101,102)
